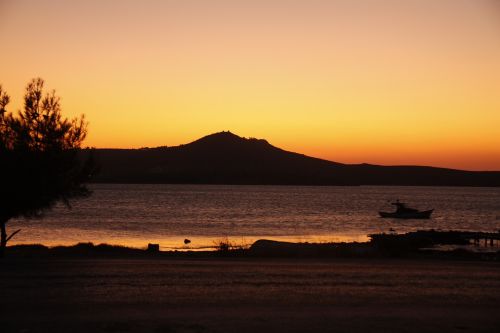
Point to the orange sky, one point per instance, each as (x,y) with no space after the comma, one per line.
(386,82)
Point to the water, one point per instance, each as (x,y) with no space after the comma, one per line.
(135,215)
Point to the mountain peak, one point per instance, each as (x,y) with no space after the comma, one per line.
(226,138)
(224,135)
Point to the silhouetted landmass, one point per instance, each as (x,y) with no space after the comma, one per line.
(225,158)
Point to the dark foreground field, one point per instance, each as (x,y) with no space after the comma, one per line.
(248,295)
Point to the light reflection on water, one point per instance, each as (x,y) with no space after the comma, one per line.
(135,215)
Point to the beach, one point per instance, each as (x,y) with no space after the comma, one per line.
(248,295)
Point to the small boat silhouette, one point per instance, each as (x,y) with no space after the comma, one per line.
(405,212)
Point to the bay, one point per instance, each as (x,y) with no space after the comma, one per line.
(138,214)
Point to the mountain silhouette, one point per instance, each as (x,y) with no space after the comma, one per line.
(226,158)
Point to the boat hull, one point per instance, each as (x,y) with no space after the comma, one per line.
(413,215)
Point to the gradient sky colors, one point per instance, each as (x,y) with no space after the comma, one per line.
(387,82)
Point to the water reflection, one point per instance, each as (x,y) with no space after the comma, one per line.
(135,215)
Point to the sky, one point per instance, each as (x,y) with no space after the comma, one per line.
(389,82)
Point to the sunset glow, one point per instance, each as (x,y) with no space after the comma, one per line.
(386,82)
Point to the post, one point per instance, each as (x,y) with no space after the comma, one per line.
(3,237)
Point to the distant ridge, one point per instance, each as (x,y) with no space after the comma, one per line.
(226,158)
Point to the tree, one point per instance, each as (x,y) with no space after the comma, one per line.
(40,163)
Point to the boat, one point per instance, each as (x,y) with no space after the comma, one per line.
(405,212)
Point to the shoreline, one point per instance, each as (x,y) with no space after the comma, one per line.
(387,285)
(429,244)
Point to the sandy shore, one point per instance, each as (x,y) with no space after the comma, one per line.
(248,295)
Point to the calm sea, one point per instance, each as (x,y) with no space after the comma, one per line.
(135,215)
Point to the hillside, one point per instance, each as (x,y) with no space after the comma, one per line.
(225,158)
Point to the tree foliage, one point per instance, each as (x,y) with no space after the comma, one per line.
(39,160)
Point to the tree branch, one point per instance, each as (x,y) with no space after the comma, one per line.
(12,235)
